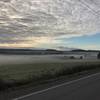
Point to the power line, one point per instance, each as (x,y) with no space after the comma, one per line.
(85,4)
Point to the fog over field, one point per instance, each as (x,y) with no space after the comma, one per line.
(18,59)
(22,59)
(15,59)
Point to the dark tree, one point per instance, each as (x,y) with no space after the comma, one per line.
(99,55)
(72,57)
(81,57)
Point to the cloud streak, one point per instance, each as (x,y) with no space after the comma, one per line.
(46,19)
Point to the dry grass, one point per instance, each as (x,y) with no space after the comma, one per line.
(18,74)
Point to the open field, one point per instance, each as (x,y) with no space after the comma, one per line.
(16,70)
(23,59)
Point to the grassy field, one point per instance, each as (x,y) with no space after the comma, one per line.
(15,74)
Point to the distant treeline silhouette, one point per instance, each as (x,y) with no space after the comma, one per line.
(29,51)
(41,52)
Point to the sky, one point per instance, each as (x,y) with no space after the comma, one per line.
(58,24)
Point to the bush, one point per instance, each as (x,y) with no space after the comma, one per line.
(72,57)
(81,57)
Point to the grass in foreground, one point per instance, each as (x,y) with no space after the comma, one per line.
(21,74)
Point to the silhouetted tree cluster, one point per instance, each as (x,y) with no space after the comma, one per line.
(99,55)
(81,57)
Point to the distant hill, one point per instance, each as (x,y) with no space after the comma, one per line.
(40,51)
(29,51)
(81,50)
(78,50)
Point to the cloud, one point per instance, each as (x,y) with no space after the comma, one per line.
(5,0)
(90,46)
(47,18)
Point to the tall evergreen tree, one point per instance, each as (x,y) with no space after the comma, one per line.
(99,55)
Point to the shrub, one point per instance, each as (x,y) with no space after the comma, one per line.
(72,57)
